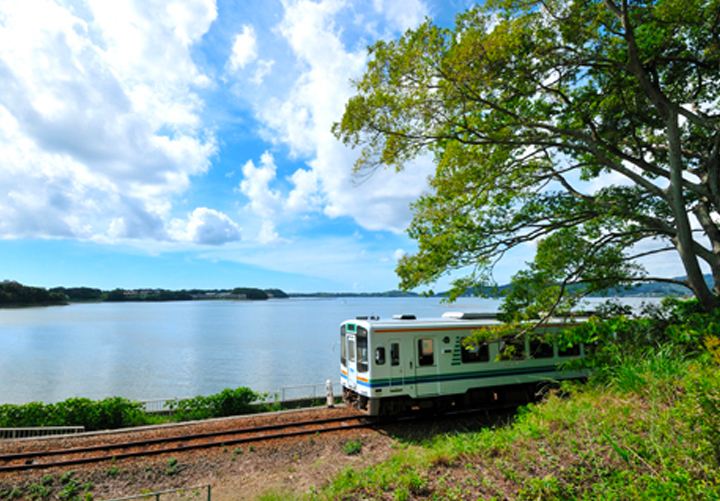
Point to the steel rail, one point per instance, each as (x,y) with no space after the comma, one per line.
(363,422)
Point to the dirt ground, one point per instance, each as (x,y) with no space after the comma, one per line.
(235,473)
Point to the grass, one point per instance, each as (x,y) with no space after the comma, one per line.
(645,429)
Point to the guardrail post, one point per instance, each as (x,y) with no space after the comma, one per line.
(329,394)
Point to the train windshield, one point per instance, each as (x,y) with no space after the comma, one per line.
(342,345)
(362,349)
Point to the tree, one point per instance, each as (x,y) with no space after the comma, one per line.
(587,127)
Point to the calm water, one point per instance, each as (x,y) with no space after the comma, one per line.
(180,349)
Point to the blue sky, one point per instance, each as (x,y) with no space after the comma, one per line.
(186,144)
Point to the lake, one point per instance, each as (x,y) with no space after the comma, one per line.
(182,349)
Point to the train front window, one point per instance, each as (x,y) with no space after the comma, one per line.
(426,352)
(475,353)
(362,349)
(351,352)
(342,345)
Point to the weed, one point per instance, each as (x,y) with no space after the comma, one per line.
(65,477)
(237,451)
(47,480)
(112,471)
(352,447)
(39,491)
(251,448)
(70,490)
(172,468)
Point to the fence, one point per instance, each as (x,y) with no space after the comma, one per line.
(43,431)
(283,394)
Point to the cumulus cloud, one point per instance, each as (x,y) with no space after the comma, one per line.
(256,186)
(244,50)
(303,118)
(209,227)
(99,129)
(402,14)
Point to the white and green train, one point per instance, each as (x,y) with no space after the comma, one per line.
(394,366)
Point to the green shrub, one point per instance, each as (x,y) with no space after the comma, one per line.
(228,402)
(110,413)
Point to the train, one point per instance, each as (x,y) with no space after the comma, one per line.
(405,364)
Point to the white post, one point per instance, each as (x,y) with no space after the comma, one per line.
(329,394)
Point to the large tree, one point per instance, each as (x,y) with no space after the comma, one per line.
(588,127)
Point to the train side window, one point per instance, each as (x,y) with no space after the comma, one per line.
(342,345)
(538,349)
(395,354)
(475,353)
(426,352)
(380,355)
(573,351)
(362,349)
(512,348)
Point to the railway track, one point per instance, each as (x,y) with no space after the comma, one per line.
(108,452)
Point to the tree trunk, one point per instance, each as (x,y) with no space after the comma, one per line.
(684,238)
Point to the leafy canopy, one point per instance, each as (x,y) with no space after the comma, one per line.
(589,128)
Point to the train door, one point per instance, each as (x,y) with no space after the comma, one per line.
(351,360)
(426,366)
(397,377)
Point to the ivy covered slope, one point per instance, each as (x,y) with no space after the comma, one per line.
(589,128)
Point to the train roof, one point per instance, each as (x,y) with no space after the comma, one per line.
(452,318)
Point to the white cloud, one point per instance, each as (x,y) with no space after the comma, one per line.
(263,69)
(268,235)
(402,14)
(256,186)
(209,227)
(303,118)
(99,127)
(244,50)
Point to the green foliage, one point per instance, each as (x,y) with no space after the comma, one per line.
(250,293)
(229,402)
(172,468)
(13,293)
(110,413)
(353,447)
(528,107)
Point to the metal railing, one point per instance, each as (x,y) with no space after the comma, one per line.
(302,391)
(194,491)
(283,394)
(40,431)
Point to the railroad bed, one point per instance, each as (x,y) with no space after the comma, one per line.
(91,447)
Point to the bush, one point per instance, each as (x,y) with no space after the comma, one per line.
(226,403)
(110,413)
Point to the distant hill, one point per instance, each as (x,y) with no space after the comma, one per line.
(393,293)
(655,289)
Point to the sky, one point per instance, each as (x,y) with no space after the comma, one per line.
(186,144)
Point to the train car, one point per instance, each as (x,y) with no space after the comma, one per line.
(394,366)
